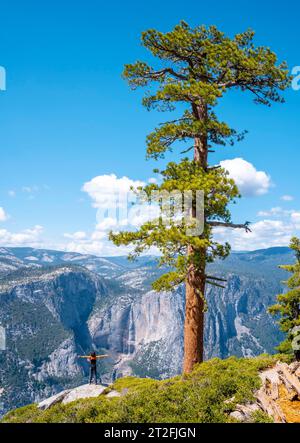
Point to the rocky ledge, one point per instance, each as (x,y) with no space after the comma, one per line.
(69,395)
(279,395)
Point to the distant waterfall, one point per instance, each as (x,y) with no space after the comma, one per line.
(131,334)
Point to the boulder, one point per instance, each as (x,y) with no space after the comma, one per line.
(51,401)
(244,413)
(84,391)
(112,394)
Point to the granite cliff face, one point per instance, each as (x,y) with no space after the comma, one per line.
(143,333)
(55,306)
(44,313)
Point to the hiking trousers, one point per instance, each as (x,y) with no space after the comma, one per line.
(94,375)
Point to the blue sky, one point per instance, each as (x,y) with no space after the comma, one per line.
(68,117)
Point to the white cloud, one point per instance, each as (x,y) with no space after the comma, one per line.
(98,235)
(79,235)
(140,214)
(110,196)
(249,181)
(3,215)
(107,190)
(275,212)
(265,234)
(103,190)
(96,243)
(295,217)
(27,237)
(290,216)
(287,198)
(107,224)
(12,193)
(30,189)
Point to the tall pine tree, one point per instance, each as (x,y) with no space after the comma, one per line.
(288,306)
(197,67)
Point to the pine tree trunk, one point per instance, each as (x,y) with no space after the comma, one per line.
(195,282)
(194,320)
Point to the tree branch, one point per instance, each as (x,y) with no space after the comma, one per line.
(231,225)
(187,150)
(211,277)
(215,284)
(158,74)
(212,168)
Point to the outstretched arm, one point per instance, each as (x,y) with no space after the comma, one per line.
(101,356)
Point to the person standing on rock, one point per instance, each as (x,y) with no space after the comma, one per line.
(92,359)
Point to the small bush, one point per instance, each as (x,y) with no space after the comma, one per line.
(27,414)
(261,417)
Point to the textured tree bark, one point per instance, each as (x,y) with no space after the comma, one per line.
(194,319)
(195,282)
